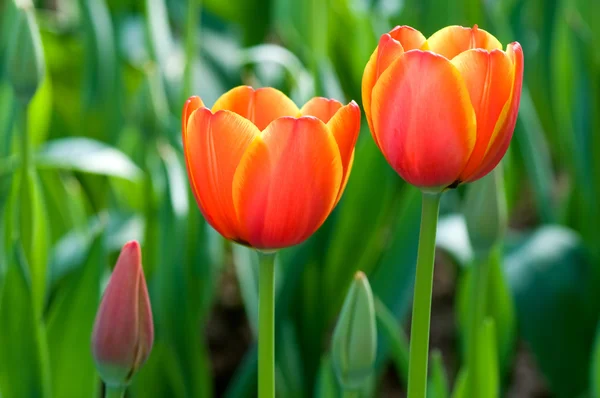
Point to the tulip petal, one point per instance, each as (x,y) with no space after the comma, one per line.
(505,126)
(424,119)
(453,40)
(368,82)
(214,145)
(345,126)
(146,330)
(489,79)
(388,50)
(189,107)
(409,38)
(287,182)
(260,106)
(321,108)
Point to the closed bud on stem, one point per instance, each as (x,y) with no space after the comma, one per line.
(123,331)
(25,58)
(354,345)
(485,211)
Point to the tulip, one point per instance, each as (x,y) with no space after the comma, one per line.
(442,110)
(123,330)
(265,173)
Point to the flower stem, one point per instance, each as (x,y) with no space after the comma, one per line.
(421,314)
(266,325)
(479,282)
(114,392)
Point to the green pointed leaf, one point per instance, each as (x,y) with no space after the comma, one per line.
(391,330)
(34,233)
(88,156)
(70,322)
(24,370)
(437,387)
(555,288)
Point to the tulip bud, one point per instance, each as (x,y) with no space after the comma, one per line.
(485,211)
(354,344)
(123,331)
(25,58)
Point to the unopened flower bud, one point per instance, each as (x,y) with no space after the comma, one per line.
(25,57)
(354,344)
(123,331)
(485,211)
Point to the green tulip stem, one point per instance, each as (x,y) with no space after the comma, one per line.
(421,313)
(266,325)
(479,282)
(114,392)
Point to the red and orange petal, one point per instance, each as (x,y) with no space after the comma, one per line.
(489,79)
(321,108)
(345,126)
(287,182)
(368,82)
(409,38)
(214,146)
(260,106)
(391,46)
(505,126)
(453,40)
(425,127)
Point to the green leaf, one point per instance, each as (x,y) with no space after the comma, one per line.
(69,254)
(595,368)
(499,307)
(397,340)
(487,358)
(349,251)
(555,289)
(160,376)
(70,322)
(24,370)
(88,156)
(244,382)
(288,363)
(39,113)
(245,261)
(437,387)
(34,233)
(326,385)
(453,238)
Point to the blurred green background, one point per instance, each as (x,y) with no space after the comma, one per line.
(106,166)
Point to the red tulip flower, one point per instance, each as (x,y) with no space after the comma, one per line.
(123,331)
(265,173)
(442,110)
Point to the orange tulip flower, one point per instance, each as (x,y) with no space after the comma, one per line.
(442,110)
(265,173)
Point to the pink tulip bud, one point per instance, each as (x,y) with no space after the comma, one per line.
(123,331)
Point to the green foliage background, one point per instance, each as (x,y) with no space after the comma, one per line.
(108,167)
